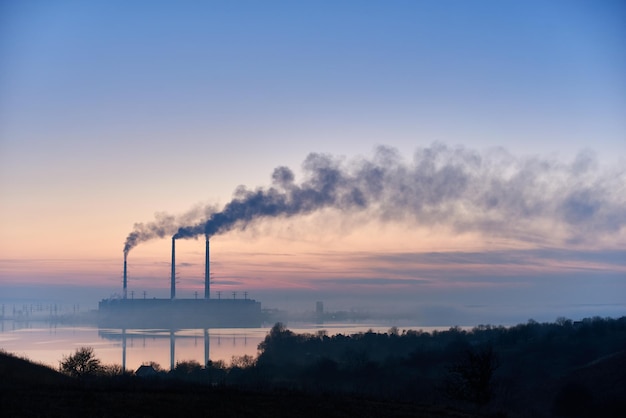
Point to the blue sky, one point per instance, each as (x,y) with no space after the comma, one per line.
(546,74)
(113,111)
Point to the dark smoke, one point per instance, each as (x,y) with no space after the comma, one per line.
(327,185)
(494,193)
(164,225)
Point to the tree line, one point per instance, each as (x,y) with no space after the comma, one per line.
(564,368)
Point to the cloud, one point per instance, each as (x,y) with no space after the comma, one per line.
(369,281)
(608,258)
(224,282)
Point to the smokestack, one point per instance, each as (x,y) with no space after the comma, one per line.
(173,291)
(125,277)
(207,275)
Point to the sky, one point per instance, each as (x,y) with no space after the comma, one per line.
(474,151)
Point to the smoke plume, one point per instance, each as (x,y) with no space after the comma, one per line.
(164,225)
(491,192)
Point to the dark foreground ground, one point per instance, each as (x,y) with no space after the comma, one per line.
(562,369)
(30,390)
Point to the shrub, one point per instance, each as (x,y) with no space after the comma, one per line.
(81,364)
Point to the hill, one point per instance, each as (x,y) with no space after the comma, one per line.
(32,390)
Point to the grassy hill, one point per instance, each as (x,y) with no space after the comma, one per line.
(21,373)
(32,390)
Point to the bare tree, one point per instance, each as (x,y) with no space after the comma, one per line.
(82,363)
(187,367)
(242,362)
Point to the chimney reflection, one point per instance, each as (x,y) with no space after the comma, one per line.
(153,345)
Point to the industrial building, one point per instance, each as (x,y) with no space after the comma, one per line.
(179,313)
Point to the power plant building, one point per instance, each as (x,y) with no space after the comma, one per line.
(179,313)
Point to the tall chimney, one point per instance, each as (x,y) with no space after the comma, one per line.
(125,277)
(173,291)
(207,275)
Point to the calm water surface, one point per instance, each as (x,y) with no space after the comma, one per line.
(48,344)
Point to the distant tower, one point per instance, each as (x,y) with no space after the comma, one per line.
(319,307)
(319,312)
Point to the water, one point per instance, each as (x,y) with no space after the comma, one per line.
(48,344)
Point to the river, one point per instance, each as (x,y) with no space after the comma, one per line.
(48,344)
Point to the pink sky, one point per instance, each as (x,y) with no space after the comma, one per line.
(478,150)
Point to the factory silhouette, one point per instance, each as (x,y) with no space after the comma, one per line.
(172,313)
(492,193)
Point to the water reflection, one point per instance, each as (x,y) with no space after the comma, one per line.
(153,341)
(49,342)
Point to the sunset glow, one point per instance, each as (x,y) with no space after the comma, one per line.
(370,154)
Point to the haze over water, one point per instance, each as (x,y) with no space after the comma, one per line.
(49,344)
